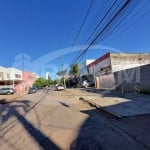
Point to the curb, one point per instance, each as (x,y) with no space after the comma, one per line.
(101,108)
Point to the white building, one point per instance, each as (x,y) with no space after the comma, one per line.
(47,75)
(10,74)
(10,77)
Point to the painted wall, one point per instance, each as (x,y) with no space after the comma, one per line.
(28,79)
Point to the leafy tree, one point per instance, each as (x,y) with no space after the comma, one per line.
(74,70)
(53,82)
(41,82)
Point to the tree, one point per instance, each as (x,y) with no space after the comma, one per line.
(74,70)
(41,82)
(53,82)
(62,73)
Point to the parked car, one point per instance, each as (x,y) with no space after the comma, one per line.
(59,87)
(7,91)
(32,90)
(87,83)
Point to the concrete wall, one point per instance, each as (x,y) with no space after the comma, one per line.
(133,80)
(126,61)
(107,81)
(95,67)
(101,70)
(121,66)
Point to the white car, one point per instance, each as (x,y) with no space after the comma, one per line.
(86,84)
(59,87)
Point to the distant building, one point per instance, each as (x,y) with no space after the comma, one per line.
(47,75)
(84,69)
(121,70)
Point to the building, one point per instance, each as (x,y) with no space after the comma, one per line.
(15,78)
(47,75)
(28,79)
(11,77)
(84,69)
(114,70)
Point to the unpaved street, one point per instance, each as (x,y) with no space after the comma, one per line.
(52,119)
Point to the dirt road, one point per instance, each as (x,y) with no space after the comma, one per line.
(53,120)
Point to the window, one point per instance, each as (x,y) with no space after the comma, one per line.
(1,75)
(105,70)
(8,76)
(18,76)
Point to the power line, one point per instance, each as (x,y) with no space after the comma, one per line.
(97,14)
(132,22)
(82,24)
(137,19)
(110,24)
(120,20)
(103,18)
(107,12)
(106,26)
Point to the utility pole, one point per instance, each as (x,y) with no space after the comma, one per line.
(63,73)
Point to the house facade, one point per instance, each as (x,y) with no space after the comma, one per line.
(15,78)
(11,77)
(114,70)
(28,79)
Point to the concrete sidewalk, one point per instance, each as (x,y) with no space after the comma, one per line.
(127,106)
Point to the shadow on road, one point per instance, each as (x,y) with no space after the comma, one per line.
(93,132)
(11,110)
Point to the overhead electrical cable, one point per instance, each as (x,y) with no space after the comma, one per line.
(82,24)
(105,28)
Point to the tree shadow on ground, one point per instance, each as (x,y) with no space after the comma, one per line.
(93,133)
(9,110)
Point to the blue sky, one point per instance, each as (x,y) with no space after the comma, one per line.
(37,27)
